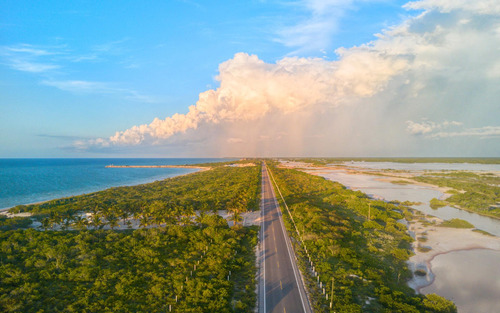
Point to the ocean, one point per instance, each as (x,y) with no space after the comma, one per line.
(24,181)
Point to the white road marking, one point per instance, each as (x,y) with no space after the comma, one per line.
(287,244)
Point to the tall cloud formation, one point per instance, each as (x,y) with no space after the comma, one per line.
(443,62)
(250,89)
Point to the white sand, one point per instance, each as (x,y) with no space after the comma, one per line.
(249,218)
(24,214)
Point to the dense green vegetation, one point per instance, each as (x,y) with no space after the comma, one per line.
(483,232)
(163,202)
(208,266)
(129,271)
(14,223)
(400,182)
(356,245)
(474,192)
(479,193)
(456,223)
(229,163)
(325,161)
(436,203)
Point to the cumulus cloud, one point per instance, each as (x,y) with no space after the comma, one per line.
(487,7)
(250,89)
(420,128)
(436,64)
(427,126)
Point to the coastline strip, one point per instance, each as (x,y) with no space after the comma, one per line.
(157,166)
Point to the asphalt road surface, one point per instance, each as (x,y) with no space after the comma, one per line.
(280,287)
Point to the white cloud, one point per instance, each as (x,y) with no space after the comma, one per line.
(250,89)
(29,50)
(420,128)
(28,58)
(439,130)
(426,126)
(81,86)
(314,32)
(76,85)
(52,61)
(32,67)
(432,65)
(85,144)
(483,132)
(488,7)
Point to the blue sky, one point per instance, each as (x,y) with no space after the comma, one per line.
(73,72)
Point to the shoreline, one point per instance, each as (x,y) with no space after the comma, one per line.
(442,190)
(389,178)
(442,240)
(5,211)
(157,166)
(439,240)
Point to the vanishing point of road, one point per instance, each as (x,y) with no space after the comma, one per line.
(281,288)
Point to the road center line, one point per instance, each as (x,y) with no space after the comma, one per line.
(288,243)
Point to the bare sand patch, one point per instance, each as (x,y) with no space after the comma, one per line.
(249,218)
(8,214)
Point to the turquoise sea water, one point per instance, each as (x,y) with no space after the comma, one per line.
(24,181)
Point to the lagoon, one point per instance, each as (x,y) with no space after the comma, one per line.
(426,166)
(470,277)
(374,187)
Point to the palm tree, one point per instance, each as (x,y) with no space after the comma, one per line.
(46,223)
(143,221)
(200,217)
(80,222)
(67,218)
(236,217)
(113,221)
(96,221)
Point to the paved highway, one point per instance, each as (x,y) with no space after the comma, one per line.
(280,287)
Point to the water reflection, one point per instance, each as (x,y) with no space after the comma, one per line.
(471,279)
(415,193)
(427,166)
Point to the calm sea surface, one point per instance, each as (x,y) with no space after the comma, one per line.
(24,181)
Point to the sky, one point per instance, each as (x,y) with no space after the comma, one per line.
(186,78)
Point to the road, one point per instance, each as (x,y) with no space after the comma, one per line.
(280,287)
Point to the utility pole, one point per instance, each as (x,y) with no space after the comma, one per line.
(331,299)
(369,210)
